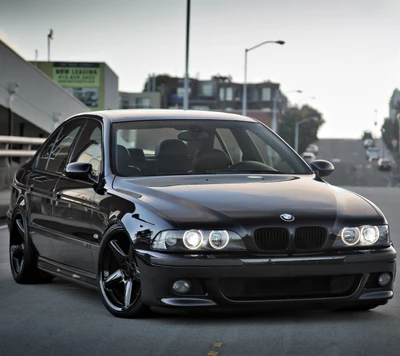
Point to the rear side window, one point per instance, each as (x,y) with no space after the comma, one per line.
(53,157)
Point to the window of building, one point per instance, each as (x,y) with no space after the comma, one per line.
(207,89)
(266,94)
(229,93)
(142,103)
(181,92)
(222,94)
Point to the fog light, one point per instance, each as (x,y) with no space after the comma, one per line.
(384,279)
(181,287)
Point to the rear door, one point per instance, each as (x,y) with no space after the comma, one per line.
(41,186)
(74,205)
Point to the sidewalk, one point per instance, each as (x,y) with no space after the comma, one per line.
(4,202)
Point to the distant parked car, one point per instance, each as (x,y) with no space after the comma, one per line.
(372,153)
(312,148)
(308,157)
(367,135)
(384,164)
(369,143)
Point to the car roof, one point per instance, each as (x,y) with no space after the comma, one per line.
(167,114)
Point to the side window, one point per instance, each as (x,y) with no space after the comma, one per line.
(53,157)
(88,147)
(231,144)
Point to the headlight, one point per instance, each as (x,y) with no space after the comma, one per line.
(192,239)
(369,235)
(350,235)
(218,239)
(199,240)
(365,235)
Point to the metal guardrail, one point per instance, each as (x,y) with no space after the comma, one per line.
(9,150)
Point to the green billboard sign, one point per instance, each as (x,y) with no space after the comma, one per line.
(77,75)
(82,80)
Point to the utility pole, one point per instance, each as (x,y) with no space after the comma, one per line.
(50,36)
(186,93)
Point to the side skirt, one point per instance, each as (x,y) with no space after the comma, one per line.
(71,274)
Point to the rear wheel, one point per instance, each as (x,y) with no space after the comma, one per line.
(119,277)
(23,257)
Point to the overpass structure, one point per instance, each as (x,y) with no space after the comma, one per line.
(31,104)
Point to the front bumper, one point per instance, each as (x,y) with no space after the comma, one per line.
(220,281)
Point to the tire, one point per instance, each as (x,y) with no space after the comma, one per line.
(118,276)
(22,253)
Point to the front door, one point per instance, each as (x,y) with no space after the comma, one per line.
(74,204)
(41,187)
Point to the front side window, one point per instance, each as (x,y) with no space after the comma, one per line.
(88,147)
(165,147)
(53,157)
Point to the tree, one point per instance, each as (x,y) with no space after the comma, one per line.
(308,131)
(390,131)
(160,79)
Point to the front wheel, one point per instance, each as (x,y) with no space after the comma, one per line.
(119,276)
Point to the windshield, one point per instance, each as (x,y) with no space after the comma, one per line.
(165,147)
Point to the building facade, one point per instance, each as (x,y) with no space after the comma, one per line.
(221,94)
(145,100)
(94,84)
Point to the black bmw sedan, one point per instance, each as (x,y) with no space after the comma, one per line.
(188,209)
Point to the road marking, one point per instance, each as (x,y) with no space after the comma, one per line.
(3,227)
(335,159)
(216,345)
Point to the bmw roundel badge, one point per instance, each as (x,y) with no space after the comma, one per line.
(287,217)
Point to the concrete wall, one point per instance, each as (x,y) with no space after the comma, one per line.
(111,94)
(38,98)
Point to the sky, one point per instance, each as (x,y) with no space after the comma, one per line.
(344,55)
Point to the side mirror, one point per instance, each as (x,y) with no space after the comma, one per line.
(79,170)
(322,168)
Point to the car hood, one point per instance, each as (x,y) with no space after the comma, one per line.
(242,201)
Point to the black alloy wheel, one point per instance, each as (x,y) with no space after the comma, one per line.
(23,256)
(119,277)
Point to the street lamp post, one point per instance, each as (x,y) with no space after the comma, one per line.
(296,132)
(244,95)
(186,84)
(12,90)
(50,36)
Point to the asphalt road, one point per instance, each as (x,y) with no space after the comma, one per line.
(61,318)
(351,165)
